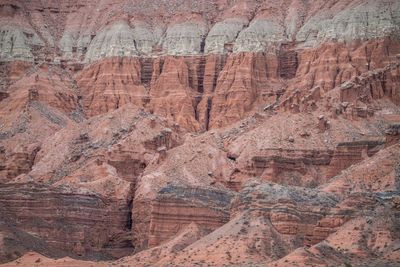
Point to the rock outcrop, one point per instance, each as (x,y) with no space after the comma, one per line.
(109,84)
(197,163)
(283,40)
(177,207)
(37,209)
(357,242)
(164,133)
(90,166)
(269,221)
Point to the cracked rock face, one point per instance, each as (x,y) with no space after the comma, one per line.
(87,34)
(115,40)
(259,35)
(167,132)
(367,20)
(122,40)
(185,39)
(222,34)
(17,44)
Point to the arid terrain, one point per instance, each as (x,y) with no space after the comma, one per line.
(200,133)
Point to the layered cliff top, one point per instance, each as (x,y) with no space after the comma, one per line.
(166,133)
(85,31)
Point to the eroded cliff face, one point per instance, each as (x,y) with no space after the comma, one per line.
(238,50)
(169,131)
(67,219)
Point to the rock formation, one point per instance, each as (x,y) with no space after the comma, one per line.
(37,210)
(164,133)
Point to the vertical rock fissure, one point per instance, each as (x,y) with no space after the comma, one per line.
(200,70)
(146,72)
(200,75)
(288,61)
(196,102)
(129,219)
(202,44)
(12,44)
(368,58)
(218,68)
(161,65)
(208,112)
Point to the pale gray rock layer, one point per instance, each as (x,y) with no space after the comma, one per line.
(120,39)
(185,39)
(16,44)
(259,36)
(362,20)
(369,20)
(223,33)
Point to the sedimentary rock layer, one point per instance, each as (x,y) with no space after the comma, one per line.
(177,207)
(132,128)
(69,220)
(88,32)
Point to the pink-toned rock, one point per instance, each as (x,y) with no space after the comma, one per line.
(106,85)
(170,132)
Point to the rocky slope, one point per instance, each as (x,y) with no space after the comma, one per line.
(166,133)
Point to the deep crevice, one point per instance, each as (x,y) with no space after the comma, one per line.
(208,112)
(288,61)
(202,44)
(146,72)
(200,75)
(128,225)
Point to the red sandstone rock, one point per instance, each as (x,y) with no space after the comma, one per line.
(133,128)
(246,81)
(39,104)
(356,243)
(171,96)
(109,84)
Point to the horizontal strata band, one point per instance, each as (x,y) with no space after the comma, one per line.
(199,133)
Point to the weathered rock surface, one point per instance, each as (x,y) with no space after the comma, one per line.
(292,150)
(168,132)
(39,260)
(96,165)
(282,41)
(108,31)
(359,21)
(39,102)
(370,240)
(246,80)
(177,207)
(109,84)
(69,220)
(170,94)
(222,35)
(368,176)
(197,163)
(119,39)
(16,44)
(269,221)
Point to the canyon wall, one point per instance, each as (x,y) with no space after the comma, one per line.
(221,66)
(68,220)
(161,130)
(175,208)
